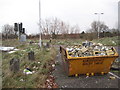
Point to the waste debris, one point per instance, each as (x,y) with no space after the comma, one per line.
(112,77)
(115,67)
(8,49)
(53,65)
(38,62)
(14,50)
(87,76)
(5,49)
(21,80)
(27,71)
(88,48)
(64,86)
(50,82)
(11,51)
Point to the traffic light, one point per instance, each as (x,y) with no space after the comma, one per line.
(15,27)
(20,28)
(23,31)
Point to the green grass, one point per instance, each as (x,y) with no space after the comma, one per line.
(37,79)
(66,41)
(44,56)
(108,41)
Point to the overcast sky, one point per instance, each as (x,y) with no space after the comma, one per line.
(79,12)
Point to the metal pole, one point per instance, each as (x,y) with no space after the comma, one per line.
(98,26)
(40,24)
(98,23)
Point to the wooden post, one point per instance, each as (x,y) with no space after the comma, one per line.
(31,55)
(14,65)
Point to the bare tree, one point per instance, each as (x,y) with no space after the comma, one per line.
(56,26)
(94,26)
(51,25)
(46,26)
(75,29)
(64,28)
(101,25)
(7,30)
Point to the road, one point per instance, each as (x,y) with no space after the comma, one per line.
(81,81)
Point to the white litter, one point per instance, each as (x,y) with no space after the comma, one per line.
(87,76)
(28,72)
(113,41)
(6,48)
(114,75)
(34,67)
(21,80)
(11,51)
(38,62)
(16,49)
(25,71)
(33,71)
(53,65)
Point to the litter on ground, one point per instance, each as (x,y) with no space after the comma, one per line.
(27,71)
(5,49)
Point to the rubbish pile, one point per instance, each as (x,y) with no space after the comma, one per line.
(89,49)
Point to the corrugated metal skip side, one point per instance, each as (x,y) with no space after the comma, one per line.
(87,65)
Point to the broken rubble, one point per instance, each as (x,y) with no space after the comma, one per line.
(89,49)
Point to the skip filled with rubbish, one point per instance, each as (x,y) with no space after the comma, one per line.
(89,49)
(88,58)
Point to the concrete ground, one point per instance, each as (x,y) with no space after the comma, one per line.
(81,81)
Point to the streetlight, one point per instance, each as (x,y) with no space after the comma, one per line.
(98,21)
(40,24)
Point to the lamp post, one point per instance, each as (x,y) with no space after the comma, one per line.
(98,22)
(40,24)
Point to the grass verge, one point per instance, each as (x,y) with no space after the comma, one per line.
(41,66)
(108,41)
